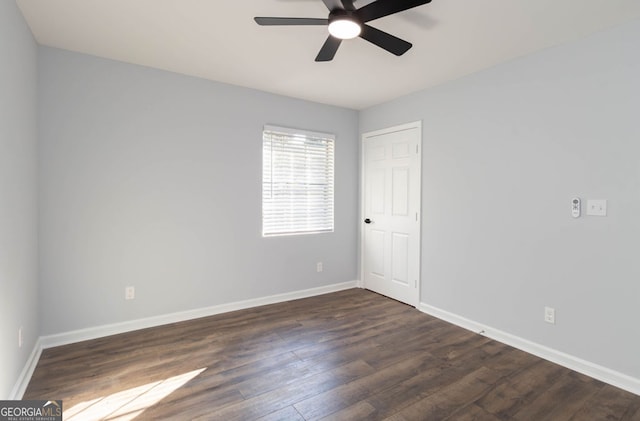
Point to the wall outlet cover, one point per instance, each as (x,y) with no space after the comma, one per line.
(597,207)
(550,315)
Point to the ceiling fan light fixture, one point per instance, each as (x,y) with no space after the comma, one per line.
(344,28)
(347,21)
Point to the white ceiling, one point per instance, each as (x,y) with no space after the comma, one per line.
(218,40)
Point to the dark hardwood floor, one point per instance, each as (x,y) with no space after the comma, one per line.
(343,356)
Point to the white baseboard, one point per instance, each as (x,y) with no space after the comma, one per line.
(25,376)
(66,338)
(590,369)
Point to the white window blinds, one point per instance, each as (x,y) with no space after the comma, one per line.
(297,181)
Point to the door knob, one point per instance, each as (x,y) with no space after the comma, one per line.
(367,221)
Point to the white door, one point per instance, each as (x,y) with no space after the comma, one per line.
(391,212)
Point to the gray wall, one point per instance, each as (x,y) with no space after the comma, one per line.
(18,193)
(504,152)
(153,179)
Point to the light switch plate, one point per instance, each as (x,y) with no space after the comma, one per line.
(597,207)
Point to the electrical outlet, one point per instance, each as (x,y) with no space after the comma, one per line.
(20,340)
(550,315)
(319,267)
(129,293)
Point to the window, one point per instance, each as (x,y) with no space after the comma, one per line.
(297,182)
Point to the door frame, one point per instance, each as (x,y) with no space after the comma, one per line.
(363,138)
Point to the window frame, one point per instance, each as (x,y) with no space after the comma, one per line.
(323,193)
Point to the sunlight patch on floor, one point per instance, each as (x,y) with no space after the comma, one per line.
(128,404)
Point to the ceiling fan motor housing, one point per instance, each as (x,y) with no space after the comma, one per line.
(341,14)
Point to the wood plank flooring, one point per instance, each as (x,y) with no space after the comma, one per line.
(350,355)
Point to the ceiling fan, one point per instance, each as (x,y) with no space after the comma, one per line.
(346,22)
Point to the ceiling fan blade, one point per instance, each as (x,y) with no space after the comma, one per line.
(384,40)
(382,8)
(332,4)
(348,5)
(329,49)
(290,21)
